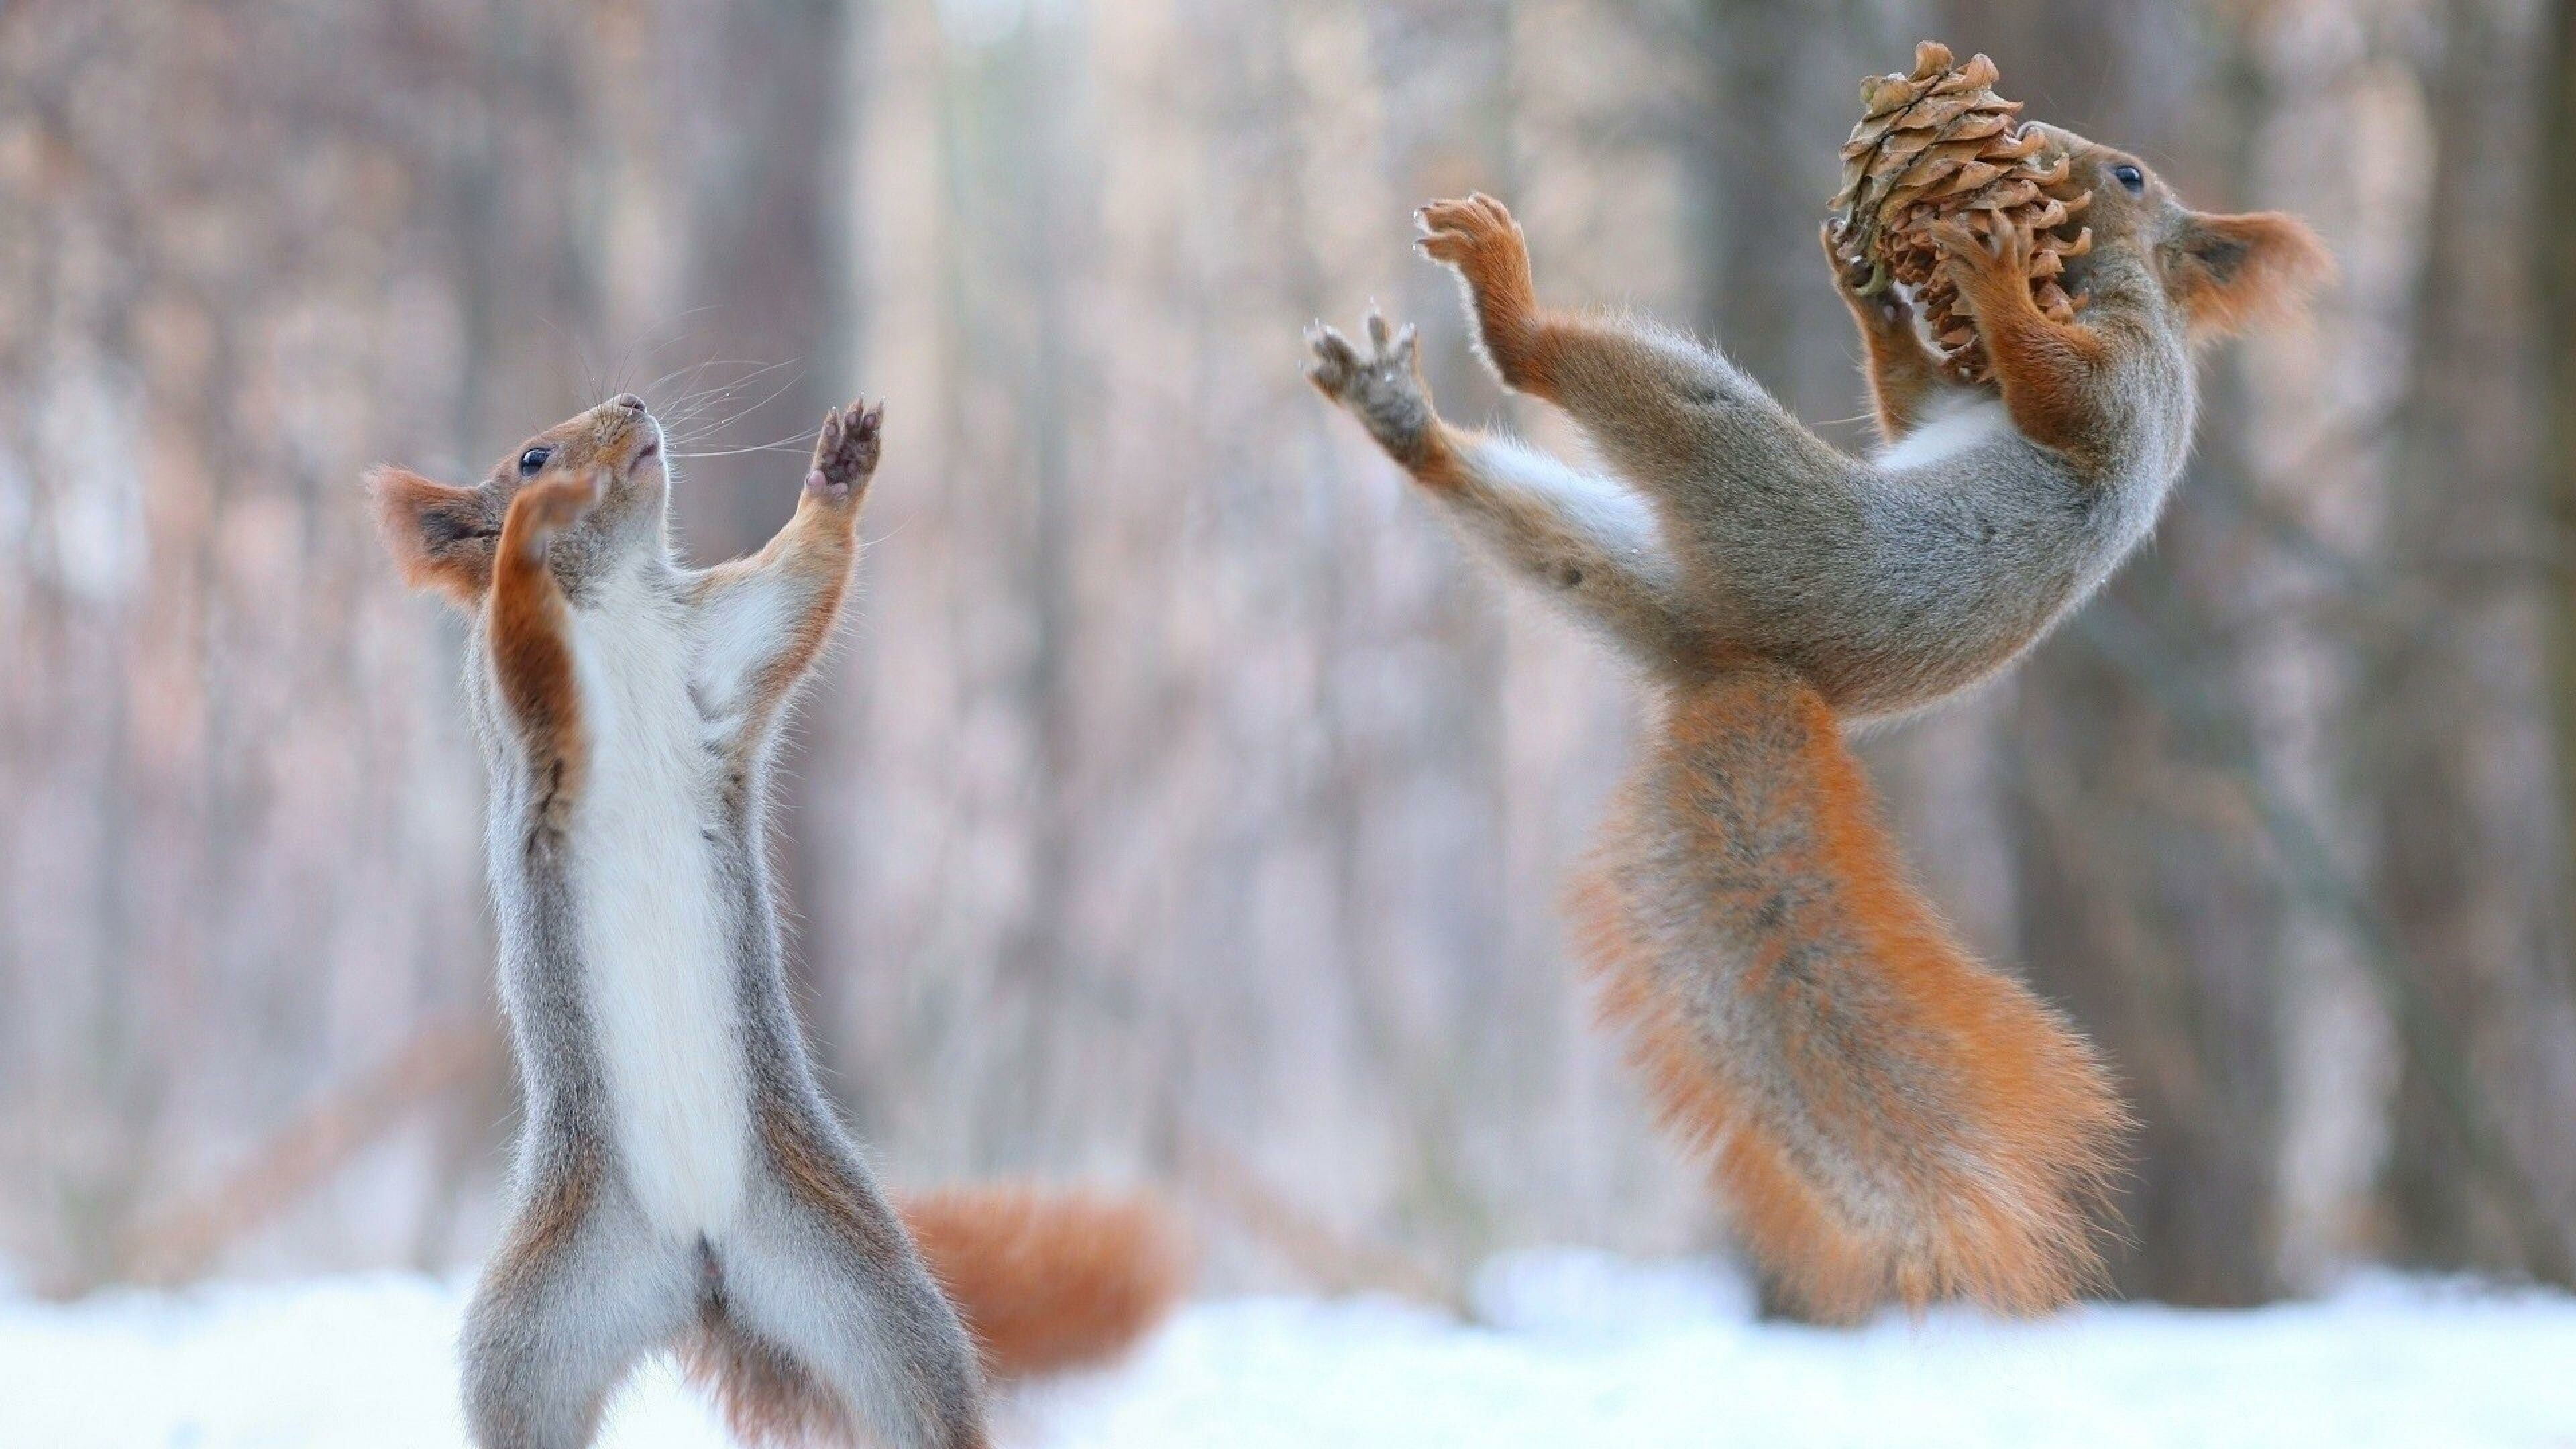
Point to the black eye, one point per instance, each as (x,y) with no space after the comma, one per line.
(2131,177)
(533,459)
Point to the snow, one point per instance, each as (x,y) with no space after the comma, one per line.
(1569,1349)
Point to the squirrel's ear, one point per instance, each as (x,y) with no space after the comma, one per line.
(441,537)
(2230,272)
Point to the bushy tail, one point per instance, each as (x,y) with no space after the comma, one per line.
(1049,1280)
(1888,1115)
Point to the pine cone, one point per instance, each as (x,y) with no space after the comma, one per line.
(1940,143)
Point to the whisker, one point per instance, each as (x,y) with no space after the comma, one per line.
(689,409)
(696,370)
(580,354)
(710,429)
(702,410)
(793,442)
(784,445)
(678,335)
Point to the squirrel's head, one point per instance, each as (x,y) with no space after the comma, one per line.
(443,536)
(2222,272)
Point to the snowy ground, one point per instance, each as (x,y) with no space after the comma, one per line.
(1574,1351)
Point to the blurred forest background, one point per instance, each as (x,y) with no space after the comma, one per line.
(1182,807)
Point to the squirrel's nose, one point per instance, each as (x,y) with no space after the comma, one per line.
(628,401)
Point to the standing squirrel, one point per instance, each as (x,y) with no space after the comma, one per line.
(681,1177)
(1888,1115)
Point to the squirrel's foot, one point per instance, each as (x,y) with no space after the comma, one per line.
(1382,387)
(846,452)
(1477,238)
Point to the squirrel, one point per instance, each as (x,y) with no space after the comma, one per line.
(1889,1116)
(681,1179)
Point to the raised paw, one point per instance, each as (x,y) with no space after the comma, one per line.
(556,501)
(1996,263)
(1885,307)
(1474,229)
(846,452)
(1477,236)
(1381,386)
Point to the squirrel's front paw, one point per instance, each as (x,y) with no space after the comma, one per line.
(560,502)
(1476,231)
(1382,386)
(846,452)
(556,501)
(1885,307)
(1995,265)
(1477,236)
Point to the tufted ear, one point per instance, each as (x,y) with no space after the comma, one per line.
(441,537)
(2229,272)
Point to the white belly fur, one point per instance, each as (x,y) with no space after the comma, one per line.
(1962,421)
(659,985)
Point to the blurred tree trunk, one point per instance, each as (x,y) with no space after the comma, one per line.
(2553,232)
(2146,904)
(2553,227)
(2469,870)
(2553,236)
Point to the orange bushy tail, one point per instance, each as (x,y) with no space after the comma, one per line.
(1049,1280)
(1888,1115)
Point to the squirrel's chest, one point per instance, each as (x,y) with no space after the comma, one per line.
(658,975)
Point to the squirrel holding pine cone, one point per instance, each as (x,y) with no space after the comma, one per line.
(1888,1116)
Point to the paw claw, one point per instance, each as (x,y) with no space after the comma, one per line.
(1333,351)
(1477,237)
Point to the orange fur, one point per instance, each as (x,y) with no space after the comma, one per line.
(806,1168)
(528,628)
(2048,371)
(763,1395)
(1900,369)
(440,537)
(1478,237)
(1436,464)
(1045,1282)
(1049,1281)
(1901,372)
(542,1232)
(1914,1124)
(2231,272)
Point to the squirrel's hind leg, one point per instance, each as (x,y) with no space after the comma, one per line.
(823,1281)
(577,1292)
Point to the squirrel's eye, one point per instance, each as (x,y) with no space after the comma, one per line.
(2131,177)
(533,459)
